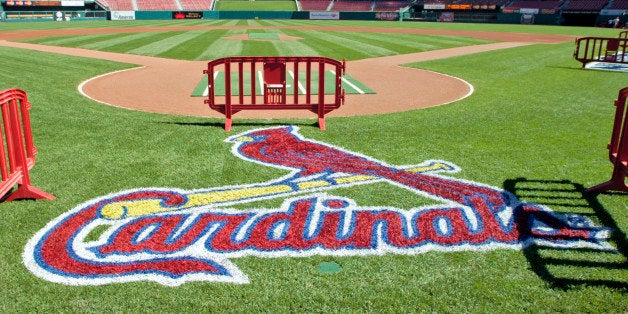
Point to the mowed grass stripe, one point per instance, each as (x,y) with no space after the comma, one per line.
(159,47)
(401,45)
(409,43)
(294,47)
(253,23)
(272,23)
(190,49)
(329,48)
(71,41)
(138,42)
(350,84)
(348,40)
(260,47)
(209,44)
(110,42)
(219,47)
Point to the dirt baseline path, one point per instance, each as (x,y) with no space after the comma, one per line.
(165,85)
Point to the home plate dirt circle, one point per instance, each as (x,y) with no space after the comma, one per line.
(165,86)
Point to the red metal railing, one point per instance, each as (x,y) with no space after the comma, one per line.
(17,150)
(617,148)
(599,49)
(241,90)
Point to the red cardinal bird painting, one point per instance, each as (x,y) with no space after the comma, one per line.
(284,147)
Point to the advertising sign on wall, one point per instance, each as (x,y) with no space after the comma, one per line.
(458,6)
(387,16)
(122,15)
(187,15)
(428,6)
(324,15)
(528,11)
(73,3)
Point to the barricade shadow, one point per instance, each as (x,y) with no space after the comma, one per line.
(244,123)
(575,68)
(571,268)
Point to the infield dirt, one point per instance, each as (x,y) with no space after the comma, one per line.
(163,85)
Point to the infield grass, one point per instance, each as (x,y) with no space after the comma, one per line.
(535,119)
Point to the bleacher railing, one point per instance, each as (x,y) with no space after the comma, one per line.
(17,150)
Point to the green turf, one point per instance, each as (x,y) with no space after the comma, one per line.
(210,44)
(535,120)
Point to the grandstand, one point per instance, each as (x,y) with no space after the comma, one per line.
(156,5)
(352,5)
(390,5)
(314,5)
(471,2)
(536,4)
(619,5)
(118,5)
(196,5)
(593,6)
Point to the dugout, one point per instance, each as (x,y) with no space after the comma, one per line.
(580,18)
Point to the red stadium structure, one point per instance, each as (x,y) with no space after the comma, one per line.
(18,151)
(304,90)
(600,49)
(617,148)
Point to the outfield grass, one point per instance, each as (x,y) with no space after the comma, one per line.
(535,118)
(211,44)
(259,5)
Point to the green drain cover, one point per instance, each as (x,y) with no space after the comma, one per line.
(329,267)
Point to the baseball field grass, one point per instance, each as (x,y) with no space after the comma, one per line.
(536,125)
(261,5)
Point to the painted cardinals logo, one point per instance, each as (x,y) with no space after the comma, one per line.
(174,236)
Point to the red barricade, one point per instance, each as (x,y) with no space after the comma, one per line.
(617,148)
(599,49)
(241,92)
(17,150)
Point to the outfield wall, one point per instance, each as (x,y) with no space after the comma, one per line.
(267,15)
(429,16)
(477,17)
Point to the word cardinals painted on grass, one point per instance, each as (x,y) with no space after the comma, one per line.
(174,236)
